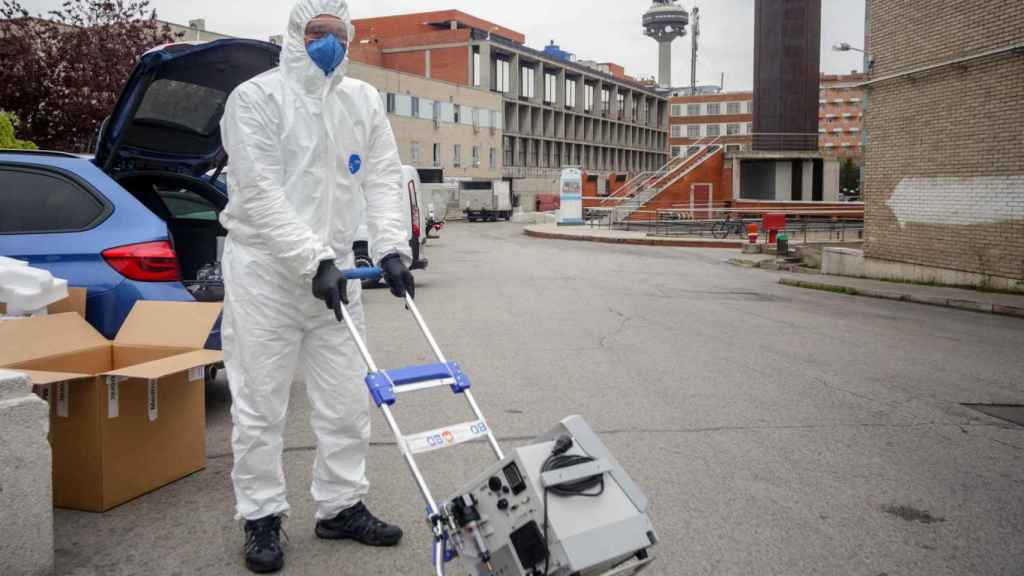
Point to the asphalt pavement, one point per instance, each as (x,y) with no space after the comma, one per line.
(777,431)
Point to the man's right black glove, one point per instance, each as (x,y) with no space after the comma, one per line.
(330,285)
(397,276)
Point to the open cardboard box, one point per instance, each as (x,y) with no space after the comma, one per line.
(126,416)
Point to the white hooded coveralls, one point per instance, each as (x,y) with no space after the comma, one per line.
(303,146)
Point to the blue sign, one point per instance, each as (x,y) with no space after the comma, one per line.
(354,164)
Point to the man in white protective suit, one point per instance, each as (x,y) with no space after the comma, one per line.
(304,143)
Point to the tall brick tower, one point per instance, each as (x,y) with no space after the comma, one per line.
(787,58)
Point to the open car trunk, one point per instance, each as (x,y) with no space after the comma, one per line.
(190,207)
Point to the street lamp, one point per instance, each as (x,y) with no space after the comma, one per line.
(869,62)
(845,47)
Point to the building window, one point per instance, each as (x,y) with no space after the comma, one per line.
(677,151)
(437,155)
(620,104)
(677,110)
(476,156)
(550,88)
(713,130)
(693,110)
(502,76)
(636,104)
(606,100)
(509,152)
(390,100)
(750,106)
(493,158)
(750,128)
(415,106)
(732,129)
(570,93)
(677,130)
(732,108)
(527,84)
(693,131)
(457,113)
(414,152)
(437,110)
(714,109)
(476,65)
(457,155)
(588,97)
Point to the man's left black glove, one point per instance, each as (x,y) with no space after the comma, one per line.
(330,285)
(397,276)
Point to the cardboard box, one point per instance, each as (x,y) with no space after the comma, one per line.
(127,416)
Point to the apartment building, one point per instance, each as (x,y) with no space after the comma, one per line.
(438,124)
(724,118)
(841,116)
(556,111)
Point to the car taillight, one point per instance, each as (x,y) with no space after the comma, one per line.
(146,262)
(415,230)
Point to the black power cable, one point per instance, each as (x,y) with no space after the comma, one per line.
(583,487)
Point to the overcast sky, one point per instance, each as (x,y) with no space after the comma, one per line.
(603,30)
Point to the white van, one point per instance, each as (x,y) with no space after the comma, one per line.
(416,222)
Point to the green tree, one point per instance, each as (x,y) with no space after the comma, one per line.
(8,122)
(849,176)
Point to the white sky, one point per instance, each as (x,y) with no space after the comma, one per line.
(602,30)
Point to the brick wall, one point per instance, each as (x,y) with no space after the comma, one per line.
(944,157)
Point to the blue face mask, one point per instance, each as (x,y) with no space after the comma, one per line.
(327,52)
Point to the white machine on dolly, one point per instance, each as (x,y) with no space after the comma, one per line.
(559,506)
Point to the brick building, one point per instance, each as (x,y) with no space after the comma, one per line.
(944,134)
(841,116)
(727,116)
(556,111)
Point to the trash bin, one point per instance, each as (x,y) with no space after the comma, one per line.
(782,243)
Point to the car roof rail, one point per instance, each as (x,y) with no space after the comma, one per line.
(38,153)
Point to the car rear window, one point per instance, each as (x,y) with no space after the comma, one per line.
(36,201)
(170,102)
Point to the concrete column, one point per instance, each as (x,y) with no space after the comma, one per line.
(514,74)
(783,180)
(830,181)
(426,63)
(560,89)
(26,497)
(808,179)
(485,65)
(736,179)
(538,84)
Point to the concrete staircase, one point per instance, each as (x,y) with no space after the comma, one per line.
(649,189)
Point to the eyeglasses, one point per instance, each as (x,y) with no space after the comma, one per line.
(323,25)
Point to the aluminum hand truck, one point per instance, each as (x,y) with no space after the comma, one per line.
(385,385)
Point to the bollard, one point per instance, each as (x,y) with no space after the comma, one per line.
(26,498)
(752,233)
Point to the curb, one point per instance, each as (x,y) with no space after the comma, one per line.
(676,243)
(959,304)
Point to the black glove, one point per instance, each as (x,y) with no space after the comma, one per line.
(330,285)
(397,276)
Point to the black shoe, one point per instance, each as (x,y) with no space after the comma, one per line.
(357,523)
(263,552)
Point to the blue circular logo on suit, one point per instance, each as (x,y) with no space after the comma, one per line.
(354,164)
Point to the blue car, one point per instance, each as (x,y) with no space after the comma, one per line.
(139,220)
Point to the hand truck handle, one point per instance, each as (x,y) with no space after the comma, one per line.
(369,273)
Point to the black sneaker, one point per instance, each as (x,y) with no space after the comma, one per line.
(263,552)
(359,524)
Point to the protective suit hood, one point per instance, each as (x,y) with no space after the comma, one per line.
(296,64)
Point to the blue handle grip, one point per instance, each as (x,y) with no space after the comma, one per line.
(370,273)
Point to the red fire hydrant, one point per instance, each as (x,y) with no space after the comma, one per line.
(752,232)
